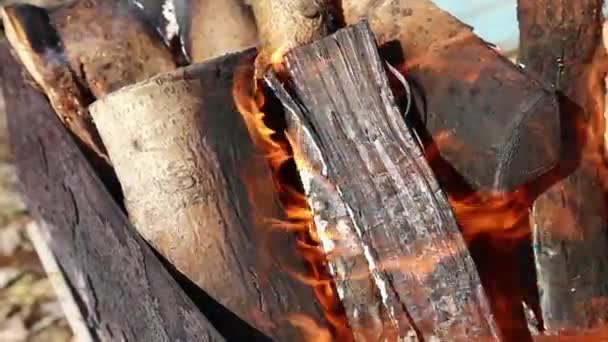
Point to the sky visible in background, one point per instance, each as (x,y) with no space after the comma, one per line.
(493,20)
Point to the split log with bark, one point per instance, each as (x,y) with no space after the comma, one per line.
(368,182)
(561,44)
(503,126)
(200,192)
(134,297)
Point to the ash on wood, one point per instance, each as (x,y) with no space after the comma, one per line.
(561,44)
(123,290)
(349,126)
(503,125)
(199,191)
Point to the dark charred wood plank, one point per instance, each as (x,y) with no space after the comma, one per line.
(503,125)
(346,123)
(124,291)
(201,193)
(560,42)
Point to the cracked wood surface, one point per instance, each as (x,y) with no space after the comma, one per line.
(124,291)
(502,126)
(200,192)
(346,124)
(560,43)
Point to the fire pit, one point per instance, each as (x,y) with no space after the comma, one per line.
(373,171)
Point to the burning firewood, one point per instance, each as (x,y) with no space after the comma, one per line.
(563,47)
(198,190)
(502,126)
(123,290)
(357,151)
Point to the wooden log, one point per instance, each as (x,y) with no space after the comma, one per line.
(506,121)
(108,45)
(230,28)
(361,146)
(561,44)
(285,24)
(198,190)
(39,48)
(123,290)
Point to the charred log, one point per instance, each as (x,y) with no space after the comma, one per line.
(123,290)
(199,191)
(561,44)
(505,121)
(344,121)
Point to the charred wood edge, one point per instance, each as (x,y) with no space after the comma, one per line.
(38,47)
(58,280)
(369,315)
(344,105)
(122,289)
(493,109)
(563,48)
(200,192)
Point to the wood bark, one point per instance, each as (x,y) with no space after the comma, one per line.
(38,46)
(561,44)
(285,24)
(502,125)
(230,28)
(123,290)
(391,203)
(108,45)
(198,190)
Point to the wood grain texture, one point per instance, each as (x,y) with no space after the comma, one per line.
(123,290)
(561,45)
(350,127)
(200,192)
(369,315)
(503,126)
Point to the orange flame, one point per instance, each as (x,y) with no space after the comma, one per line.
(249,100)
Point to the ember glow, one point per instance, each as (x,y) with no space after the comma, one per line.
(249,100)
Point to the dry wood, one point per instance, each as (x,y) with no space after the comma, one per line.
(503,126)
(108,45)
(198,190)
(230,28)
(39,48)
(123,290)
(561,44)
(387,196)
(285,24)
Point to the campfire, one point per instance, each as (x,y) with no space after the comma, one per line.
(297,170)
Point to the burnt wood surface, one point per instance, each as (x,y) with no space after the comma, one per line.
(123,289)
(350,135)
(561,45)
(200,192)
(503,126)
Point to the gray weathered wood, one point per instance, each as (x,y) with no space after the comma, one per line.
(123,290)
(561,44)
(200,192)
(351,137)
